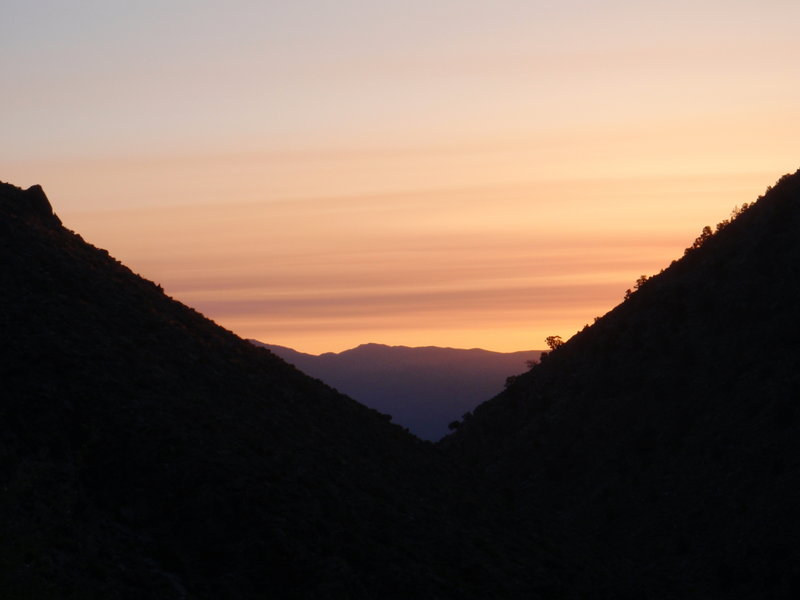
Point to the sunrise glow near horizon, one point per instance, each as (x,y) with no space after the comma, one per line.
(468,174)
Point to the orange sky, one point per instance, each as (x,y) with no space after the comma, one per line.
(453,173)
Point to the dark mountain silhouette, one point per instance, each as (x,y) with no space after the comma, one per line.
(145,452)
(663,442)
(423,389)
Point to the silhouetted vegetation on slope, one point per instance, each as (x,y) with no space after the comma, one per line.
(145,452)
(662,441)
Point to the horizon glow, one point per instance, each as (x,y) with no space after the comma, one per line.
(321,175)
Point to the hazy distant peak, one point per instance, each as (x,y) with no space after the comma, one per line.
(423,388)
(31,205)
(373,345)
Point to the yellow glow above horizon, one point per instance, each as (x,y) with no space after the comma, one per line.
(324,174)
(498,268)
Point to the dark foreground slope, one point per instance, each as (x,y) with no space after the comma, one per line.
(664,440)
(145,452)
(424,389)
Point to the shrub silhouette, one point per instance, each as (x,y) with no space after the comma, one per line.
(639,283)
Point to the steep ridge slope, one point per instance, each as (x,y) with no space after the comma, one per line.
(664,440)
(424,389)
(145,452)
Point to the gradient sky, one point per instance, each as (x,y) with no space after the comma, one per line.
(473,174)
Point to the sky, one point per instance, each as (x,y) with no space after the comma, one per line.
(321,174)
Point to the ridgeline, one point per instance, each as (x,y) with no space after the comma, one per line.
(146,452)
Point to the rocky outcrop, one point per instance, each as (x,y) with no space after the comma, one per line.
(30,205)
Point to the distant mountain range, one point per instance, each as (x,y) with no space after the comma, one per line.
(423,389)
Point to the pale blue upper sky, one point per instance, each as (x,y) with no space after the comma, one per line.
(113,77)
